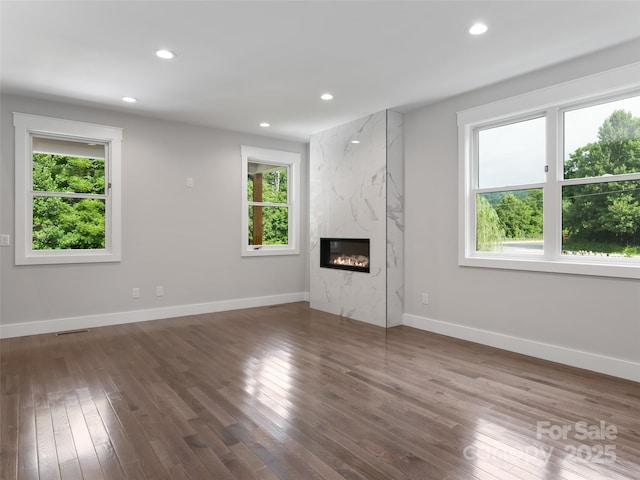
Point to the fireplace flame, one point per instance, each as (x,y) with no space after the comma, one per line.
(352,260)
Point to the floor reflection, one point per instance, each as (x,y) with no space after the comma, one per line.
(269,379)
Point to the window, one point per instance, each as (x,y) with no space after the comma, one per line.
(67,191)
(511,164)
(270,202)
(550,180)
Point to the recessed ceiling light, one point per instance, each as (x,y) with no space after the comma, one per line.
(129,99)
(478,29)
(355,141)
(165,54)
(326,96)
(265,124)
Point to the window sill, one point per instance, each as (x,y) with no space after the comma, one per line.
(46,258)
(269,250)
(605,268)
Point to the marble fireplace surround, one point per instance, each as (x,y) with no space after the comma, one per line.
(356,191)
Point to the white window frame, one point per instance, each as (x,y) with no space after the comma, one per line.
(550,102)
(29,126)
(292,162)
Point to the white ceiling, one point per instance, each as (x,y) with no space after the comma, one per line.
(240,63)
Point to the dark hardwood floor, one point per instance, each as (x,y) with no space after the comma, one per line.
(287,392)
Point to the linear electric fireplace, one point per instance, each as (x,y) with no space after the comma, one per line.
(345,254)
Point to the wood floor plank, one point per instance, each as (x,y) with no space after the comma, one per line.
(9,436)
(27,447)
(109,463)
(71,470)
(47,455)
(65,447)
(287,392)
(204,449)
(136,443)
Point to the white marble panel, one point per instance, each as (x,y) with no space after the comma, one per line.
(395,218)
(348,199)
(357,191)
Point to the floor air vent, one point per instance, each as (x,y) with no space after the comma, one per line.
(71,332)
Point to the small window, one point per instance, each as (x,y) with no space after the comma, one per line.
(67,192)
(271,181)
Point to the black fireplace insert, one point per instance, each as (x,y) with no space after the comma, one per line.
(345,254)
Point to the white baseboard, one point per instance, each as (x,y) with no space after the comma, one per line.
(576,358)
(117,318)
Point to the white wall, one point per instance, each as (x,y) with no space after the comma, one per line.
(186,239)
(592,322)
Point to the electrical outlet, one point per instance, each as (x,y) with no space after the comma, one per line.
(135,292)
(425,299)
(159,291)
(189,182)
(5,240)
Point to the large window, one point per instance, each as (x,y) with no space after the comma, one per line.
(270,202)
(550,180)
(67,191)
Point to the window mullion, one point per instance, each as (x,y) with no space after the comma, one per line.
(471,183)
(108,193)
(37,193)
(552,195)
(509,188)
(625,177)
(268,204)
